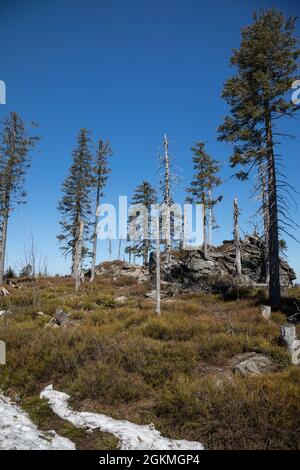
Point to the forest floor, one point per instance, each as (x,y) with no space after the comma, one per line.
(174,371)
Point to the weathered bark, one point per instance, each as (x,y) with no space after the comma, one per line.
(4,292)
(3,240)
(274,282)
(236,237)
(157,306)
(78,256)
(167,202)
(145,252)
(209,219)
(3,247)
(119,249)
(265,209)
(204,221)
(94,252)
(109,248)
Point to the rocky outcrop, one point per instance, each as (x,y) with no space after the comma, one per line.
(190,267)
(116,269)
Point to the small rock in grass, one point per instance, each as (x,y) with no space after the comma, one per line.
(266,312)
(61,319)
(121,300)
(253,364)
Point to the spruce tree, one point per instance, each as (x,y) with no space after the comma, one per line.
(100,175)
(265,69)
(15,146)
(75,205)
(144,194)
(204,181)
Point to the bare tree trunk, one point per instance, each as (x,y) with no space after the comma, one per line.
(236,237)
(3,247)
(109,248)
(145,253)
(94,253)
(78,256)
(265,209)
(209,220)
(204,220)
(167,202)
(274,283)
(119,249)
(157,306)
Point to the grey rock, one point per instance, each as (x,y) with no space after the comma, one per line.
(61,319)
(152,295)
(288,338)
(117,269)
(253,364)
(121,300)
(266,312)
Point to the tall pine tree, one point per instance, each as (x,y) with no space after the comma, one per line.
(100,175)
(75,205)
(265,69)
(204,181)
(15,146)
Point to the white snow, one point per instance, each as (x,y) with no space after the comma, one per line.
(17,432)
(131,436)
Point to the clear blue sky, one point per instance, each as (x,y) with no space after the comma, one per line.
(129,70)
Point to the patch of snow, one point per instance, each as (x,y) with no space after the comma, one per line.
(131,436)
(17,432)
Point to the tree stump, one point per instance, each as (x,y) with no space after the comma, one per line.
(289,339)
(265,312)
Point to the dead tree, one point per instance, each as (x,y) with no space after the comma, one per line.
(157,306)
(119,249)
(236,237)
(167,204)
(109,248)
(209,219)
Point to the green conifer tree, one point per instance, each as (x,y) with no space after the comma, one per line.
(15,146)
(75,205)
(265,69)
(144,194)
(204,181)
(100,175)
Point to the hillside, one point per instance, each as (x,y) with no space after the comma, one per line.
(112,355)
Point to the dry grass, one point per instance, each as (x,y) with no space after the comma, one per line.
(124,361)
